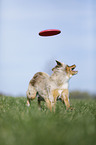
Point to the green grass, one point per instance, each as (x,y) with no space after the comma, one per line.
(22,125)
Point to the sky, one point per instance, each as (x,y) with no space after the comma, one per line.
(23,52)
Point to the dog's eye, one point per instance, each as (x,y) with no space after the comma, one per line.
(72,68)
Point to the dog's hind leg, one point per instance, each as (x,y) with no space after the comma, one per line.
(40,98)
(31,94)
(39,103)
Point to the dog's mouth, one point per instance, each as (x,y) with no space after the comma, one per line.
(72,69)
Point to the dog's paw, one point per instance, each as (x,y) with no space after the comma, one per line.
(27,105)
(70,108)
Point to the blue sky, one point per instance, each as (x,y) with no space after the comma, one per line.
(23,52)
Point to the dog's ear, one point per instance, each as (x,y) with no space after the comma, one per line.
(58,63)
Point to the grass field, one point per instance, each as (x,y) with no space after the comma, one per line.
(20,125)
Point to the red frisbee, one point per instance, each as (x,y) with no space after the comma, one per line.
(49,32)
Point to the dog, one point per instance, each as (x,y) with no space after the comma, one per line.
(50,88)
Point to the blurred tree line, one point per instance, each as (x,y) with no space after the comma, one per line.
(73,95)
(81,95)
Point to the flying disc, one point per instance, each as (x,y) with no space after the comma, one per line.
(49,32)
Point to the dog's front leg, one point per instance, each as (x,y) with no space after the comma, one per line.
(55,94)
(48,102)
(65,98)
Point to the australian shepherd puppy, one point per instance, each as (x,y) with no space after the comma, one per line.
(50,88)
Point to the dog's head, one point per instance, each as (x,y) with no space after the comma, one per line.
(70,70)
(65,69)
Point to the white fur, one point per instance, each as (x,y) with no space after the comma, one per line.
(65,86)
(60,91)
(70,76)
(28,104)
